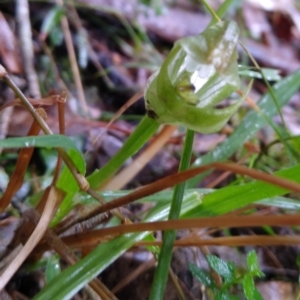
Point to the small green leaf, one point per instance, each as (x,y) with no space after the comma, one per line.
(257,295)
(154,249)
(250,290)
(203,276)
(248,286)
(52,268)
(253,265)
(226,270)
(52,19)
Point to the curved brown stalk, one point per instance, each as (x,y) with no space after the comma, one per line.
(172,180)
(92,238)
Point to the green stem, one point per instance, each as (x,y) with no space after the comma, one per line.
(161,273)
(212,12)
(222,10)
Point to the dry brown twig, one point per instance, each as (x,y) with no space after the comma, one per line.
(73,60)
(25,34)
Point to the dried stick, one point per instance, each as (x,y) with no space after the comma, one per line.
(25,34)
(73,60)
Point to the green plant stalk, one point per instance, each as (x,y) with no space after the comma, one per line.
(161,273)
(221,11)
(212,12)
(143,132)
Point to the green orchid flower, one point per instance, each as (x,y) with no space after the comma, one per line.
(199,72)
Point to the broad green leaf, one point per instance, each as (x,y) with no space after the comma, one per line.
(253,265)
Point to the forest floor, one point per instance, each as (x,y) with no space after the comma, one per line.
(118,45)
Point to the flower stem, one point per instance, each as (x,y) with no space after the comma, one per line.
(161,273)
